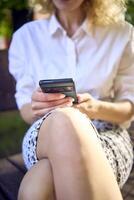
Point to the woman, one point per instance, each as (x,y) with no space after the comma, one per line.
(76,151)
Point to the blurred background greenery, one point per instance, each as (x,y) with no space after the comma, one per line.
(8,17)
(130,11)
(12,129)
(8,7)
(14,13)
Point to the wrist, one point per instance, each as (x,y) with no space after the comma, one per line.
(93,109)
(103,108)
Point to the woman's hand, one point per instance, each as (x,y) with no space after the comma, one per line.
(42,103)
(88,105)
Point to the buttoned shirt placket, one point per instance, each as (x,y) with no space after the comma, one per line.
(71,56)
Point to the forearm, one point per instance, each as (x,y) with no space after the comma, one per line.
(114,112)
(26,113)
(117,112)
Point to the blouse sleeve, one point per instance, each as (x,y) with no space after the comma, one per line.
(19,68)
(124,81)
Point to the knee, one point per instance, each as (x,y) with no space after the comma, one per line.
(69,113)
(28,191)
(64,118)
(57,133)
(37,182)
(69,125)
(25,192)
(65,140)
(68,132)
(63,123)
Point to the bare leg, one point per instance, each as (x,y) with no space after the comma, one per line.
(37,184)
(79,165)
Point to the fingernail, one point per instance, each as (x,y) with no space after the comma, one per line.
(62,95)
(71,99)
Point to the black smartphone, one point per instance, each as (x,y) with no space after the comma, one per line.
(65,86)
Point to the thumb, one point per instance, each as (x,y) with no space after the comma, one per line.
(83,97)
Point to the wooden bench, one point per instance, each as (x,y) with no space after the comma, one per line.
(12,168)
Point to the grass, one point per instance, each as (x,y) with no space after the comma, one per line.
(12,130)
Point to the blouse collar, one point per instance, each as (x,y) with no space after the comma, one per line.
(55,26)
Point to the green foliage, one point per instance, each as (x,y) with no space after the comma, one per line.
(16,4)
(5,18)
(6,26)
(130,11)
(11,4)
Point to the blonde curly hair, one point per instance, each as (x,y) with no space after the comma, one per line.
(99,12)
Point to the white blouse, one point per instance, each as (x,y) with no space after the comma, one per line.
(99,59)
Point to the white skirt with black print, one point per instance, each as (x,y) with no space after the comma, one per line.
(115,142)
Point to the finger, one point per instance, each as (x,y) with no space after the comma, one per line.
(41,96)
(48,104)
(83,97)
(53,96)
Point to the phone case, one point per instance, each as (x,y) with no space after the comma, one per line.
(65,86)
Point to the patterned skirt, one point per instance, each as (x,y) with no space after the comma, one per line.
(114,140)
